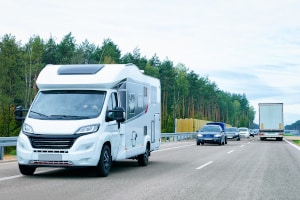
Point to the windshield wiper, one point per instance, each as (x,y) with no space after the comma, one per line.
(68,117)
(40,114)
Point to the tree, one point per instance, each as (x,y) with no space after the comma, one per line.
(167,79)
(10,82)
(135,58)
(33,56)
(193,95)
(66,49)
(109,52)
(181,92)
(51,55)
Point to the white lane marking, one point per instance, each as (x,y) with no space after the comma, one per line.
(242,145)
(230,151)
(294,145)
(202,166)
(20,175)
(173,148)
(10,177)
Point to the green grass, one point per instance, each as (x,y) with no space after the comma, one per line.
(297,142)
(13,152)
(288,134)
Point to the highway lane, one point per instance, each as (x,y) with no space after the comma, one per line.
(246,169)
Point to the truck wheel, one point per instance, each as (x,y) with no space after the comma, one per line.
(105,162)
(26,170)
(144,158)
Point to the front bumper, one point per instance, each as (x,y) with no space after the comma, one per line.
(209,140)
(82,153)
(232,136)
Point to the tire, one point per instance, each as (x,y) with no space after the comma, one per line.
(202,143)
(238,139)
(144,158)
(220,142)
(26,170)
(105,162)
(225,140)
(198,143)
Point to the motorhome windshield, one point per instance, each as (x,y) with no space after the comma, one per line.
(67,105)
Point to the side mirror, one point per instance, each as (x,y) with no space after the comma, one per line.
(118,113)
(19,116)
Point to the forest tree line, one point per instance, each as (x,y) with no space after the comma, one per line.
(184,94)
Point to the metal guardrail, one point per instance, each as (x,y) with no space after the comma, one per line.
(169,137)
(6,142)
(165,137)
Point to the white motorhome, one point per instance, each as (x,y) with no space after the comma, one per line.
(90,115)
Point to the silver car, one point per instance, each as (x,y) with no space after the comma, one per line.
(244,132)
(232,133)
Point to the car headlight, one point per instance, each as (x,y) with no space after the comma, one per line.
(200,135)
(88,129)
(217,135)
(27,128)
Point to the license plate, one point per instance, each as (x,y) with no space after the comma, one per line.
(50,157)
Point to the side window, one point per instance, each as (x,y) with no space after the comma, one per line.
(113,101)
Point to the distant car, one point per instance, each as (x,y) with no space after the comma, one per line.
(211,134)
(252,133)
(244,132)
(232,133)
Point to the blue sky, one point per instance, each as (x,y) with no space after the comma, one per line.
(248,46)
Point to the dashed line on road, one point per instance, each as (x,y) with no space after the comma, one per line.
(242,145)
(230,151)
(204,165)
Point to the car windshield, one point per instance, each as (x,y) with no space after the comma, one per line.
(243,129)
(67,105)
(210,129)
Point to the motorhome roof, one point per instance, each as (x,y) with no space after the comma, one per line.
(88,76)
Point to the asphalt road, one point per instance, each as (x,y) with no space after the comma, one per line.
(246,169)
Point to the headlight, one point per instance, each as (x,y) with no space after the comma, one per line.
(217,135)
(200,135)
(27,128)
(88,129)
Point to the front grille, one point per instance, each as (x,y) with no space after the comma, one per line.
(52,142)
(54,163)
(51,151)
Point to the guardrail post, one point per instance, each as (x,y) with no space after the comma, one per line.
(1,152)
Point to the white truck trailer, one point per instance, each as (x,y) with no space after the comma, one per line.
(271,121)
(90,115)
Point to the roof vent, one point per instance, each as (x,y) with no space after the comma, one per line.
(79,69)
